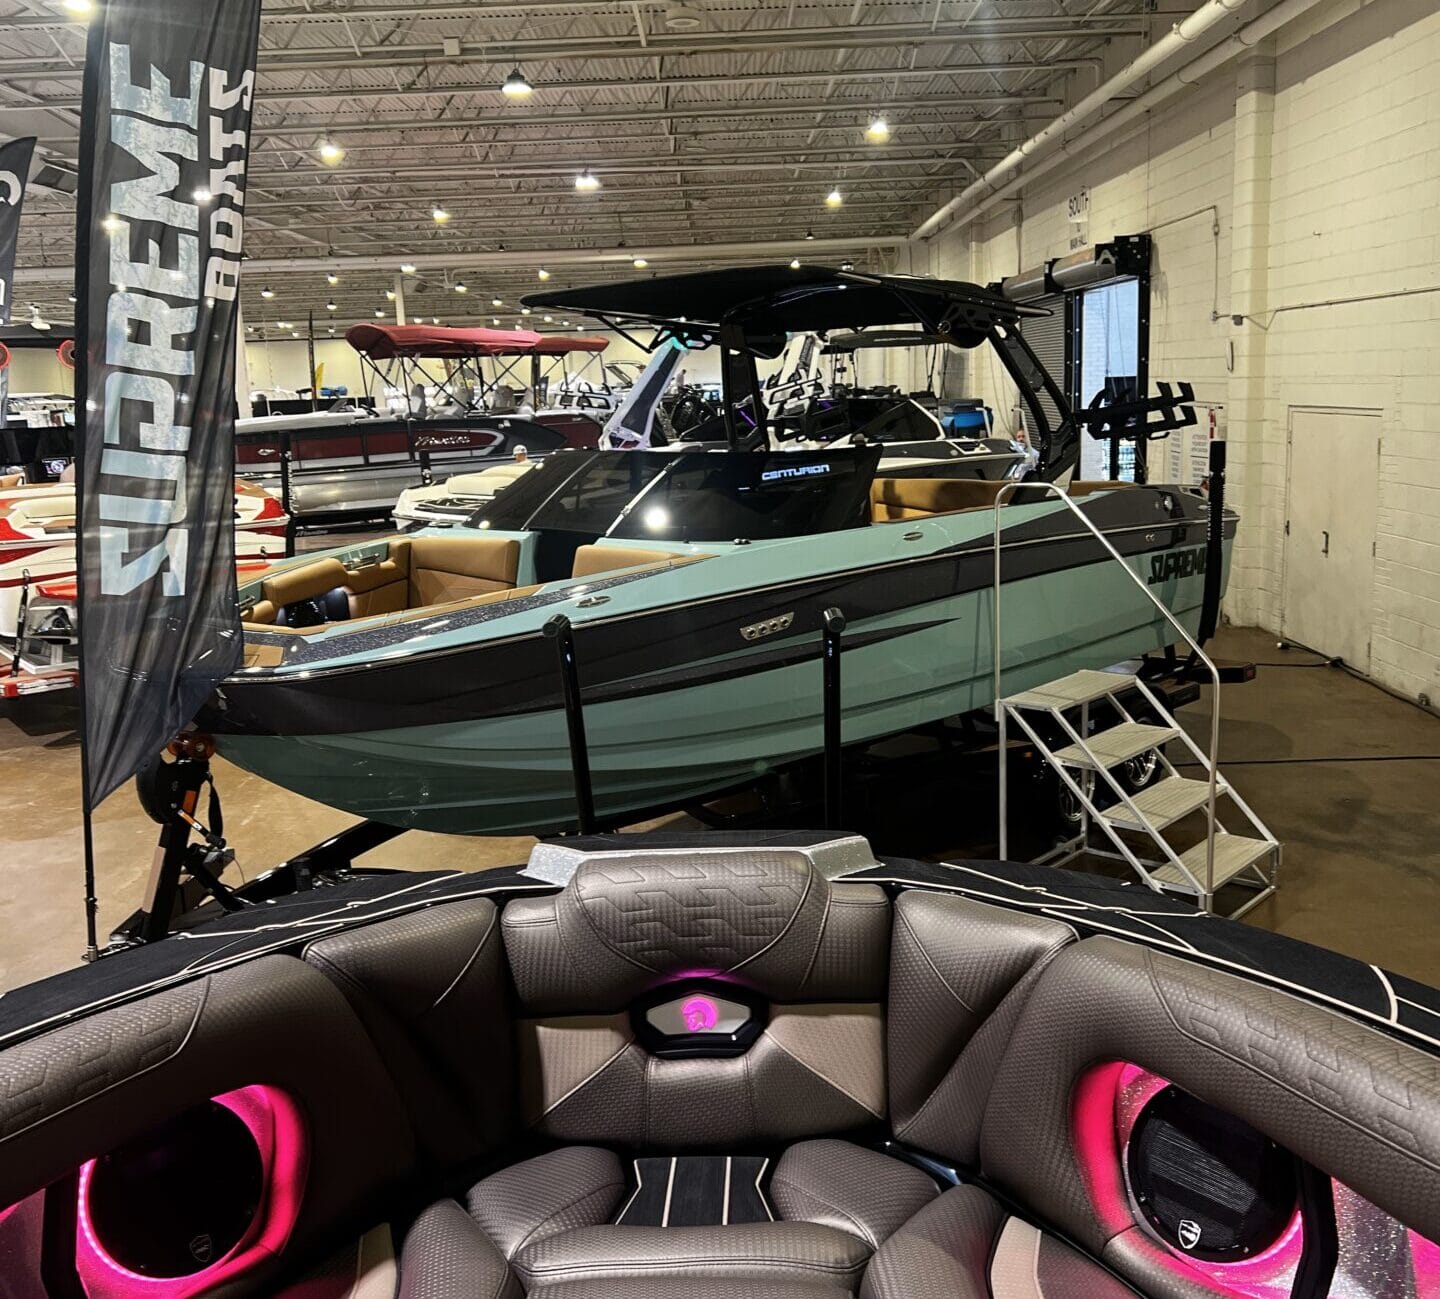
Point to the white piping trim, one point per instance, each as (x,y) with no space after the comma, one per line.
(725,1204)
(669,1191)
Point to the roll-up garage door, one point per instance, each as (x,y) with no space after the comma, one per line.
(1046,336)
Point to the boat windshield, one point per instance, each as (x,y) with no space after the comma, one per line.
(688,496)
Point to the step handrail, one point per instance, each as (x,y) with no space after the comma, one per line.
(1002,498)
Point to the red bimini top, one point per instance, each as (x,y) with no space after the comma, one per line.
(561,344)
(385,342)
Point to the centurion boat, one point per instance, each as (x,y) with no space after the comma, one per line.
(658,1067)
(411,680)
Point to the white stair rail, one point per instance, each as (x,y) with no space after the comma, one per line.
(1002,498)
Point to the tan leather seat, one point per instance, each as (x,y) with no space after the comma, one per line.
(1084,486)
(892,499)
(453,568)
(606,559)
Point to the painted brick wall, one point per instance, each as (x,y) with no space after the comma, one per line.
(1353,206)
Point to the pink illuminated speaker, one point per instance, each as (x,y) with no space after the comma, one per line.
(178,1199)
(1209,1184)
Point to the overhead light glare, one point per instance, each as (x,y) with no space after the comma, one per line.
(389,295)
(542,274)
(847,265)
(795,264)
(524,311)
(439,215)
(407,268)
(379,313)
(331,154)
(586,183)
(332,279)
(110,224)
(461,287)
(516,86)
(497,302)
(202,197)
(639,263)
(80,8)
(267,293)
(834,198)
(809,234)
(878,131)
(330,306)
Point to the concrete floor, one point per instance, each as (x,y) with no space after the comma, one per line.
(1345,775)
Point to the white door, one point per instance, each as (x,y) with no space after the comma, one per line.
(1331,498)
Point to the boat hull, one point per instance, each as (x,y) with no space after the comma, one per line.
(728,718)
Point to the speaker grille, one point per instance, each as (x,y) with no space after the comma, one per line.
(1207,1182)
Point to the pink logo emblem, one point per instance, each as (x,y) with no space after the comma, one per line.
(700,1014)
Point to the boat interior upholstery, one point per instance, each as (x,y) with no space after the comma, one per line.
(896,499)
(714,1073)
(416,574)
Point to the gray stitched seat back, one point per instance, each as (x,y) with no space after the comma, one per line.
(1361,1106)
(810,955)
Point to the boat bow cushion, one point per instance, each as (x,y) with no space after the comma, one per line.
(807,957)
(590,560)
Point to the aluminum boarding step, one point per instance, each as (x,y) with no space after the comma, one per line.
(1084,726)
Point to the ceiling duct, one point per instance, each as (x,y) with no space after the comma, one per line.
(55,180)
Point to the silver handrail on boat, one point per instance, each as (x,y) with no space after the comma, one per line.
(1002,498)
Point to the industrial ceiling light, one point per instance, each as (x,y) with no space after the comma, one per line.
(639,263)
(330,306)
(497,302)
(586,183)
(379,314)
(407,268)
(439,215)
(795,264)
(524,311)
(283,324)
(834,198)
(461,287)
(389,295)
(434,320)
(542,274)
(809,234)
(80,8)
(566,323)
(331,154)
(878,131)
(515,86)
(680,17)
(267,293)
(549,320)
(494,320)
(72,297)
(847,265)
(332,279)
(331,331)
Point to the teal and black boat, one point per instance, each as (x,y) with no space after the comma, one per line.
(411,680)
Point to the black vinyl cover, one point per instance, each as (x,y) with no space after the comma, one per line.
(14,172)
(166,120)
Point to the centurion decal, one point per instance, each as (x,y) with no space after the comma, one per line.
(168,93)
(793,471)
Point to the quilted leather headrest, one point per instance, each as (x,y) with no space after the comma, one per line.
(764,918)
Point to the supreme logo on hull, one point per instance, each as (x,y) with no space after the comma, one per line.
(1176,564)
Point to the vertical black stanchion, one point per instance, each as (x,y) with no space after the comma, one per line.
(563,634)
(834,623)
(1214,544)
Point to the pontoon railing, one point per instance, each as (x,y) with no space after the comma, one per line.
(1002,498)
